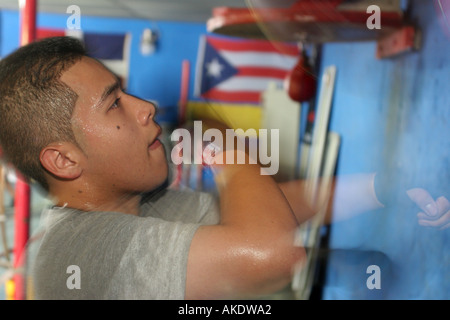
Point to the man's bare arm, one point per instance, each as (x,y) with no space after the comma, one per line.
(251,251)
(349,195)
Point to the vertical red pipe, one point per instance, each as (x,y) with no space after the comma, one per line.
(27,21)
(184,93)
(21,234)
(22,193)
(184,96)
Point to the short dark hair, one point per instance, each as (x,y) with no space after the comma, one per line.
(35,105)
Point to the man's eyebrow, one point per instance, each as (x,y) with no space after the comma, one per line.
(108,90)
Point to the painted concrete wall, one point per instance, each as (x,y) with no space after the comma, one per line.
(393,116)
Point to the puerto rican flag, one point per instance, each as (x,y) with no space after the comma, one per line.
(238,70)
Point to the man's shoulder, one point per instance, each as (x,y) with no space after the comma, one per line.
(185,205)
(54,216)
(169,194)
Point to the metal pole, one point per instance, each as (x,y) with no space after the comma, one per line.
(22,193)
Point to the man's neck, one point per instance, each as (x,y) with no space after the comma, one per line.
(93,200)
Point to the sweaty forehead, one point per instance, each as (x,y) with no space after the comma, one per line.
(88,79)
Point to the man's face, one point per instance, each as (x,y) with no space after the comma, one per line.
(116,132)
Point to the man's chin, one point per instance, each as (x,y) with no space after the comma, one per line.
(155,191)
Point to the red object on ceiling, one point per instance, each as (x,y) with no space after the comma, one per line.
(308,21)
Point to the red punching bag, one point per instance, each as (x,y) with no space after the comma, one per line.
(301,83)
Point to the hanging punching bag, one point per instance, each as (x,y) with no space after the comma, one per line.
(301,83)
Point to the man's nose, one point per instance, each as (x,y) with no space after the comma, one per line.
(146,112)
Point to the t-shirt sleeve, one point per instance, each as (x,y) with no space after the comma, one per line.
(119,257)
(155,262)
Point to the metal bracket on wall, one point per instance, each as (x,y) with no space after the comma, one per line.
(406,39)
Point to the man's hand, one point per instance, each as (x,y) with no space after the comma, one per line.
(435,213)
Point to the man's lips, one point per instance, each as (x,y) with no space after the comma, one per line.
(156,143)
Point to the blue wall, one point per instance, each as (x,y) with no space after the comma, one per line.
(394,116)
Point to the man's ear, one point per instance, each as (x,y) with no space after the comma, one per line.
(62,160)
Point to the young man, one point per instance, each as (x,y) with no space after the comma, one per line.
(66,123)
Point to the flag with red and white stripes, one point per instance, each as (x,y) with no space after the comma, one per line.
(236,70)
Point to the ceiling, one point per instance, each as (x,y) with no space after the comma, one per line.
(168,10)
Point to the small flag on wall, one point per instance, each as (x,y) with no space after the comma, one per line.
(236,70)
(110,49)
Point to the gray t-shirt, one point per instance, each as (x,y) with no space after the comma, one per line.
(110,255)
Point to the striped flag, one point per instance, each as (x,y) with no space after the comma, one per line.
(238,70)
(111,49)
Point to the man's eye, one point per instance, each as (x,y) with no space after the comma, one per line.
(115,104)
